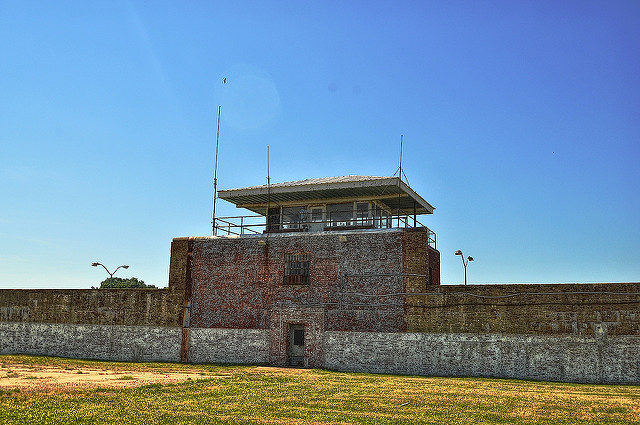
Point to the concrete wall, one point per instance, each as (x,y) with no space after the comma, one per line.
(549,358)
(134,343)
(147,307)
(548,309)
(103,342)
(248,346)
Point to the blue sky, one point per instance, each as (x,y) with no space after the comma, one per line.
(521,123)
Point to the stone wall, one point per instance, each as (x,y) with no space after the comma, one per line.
(549,309)
(550,358)
(148,307)
(248,346)
(103,342)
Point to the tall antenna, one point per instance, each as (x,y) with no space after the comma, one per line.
(399,178)
(399,171)
(400,168)
(268,187)
(215,178)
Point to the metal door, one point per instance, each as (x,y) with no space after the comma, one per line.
(296,345)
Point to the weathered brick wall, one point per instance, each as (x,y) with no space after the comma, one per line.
(151,307)
(558,309)
(434,266)
(238,282)
(564,358)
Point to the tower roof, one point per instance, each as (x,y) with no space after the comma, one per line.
(392,192)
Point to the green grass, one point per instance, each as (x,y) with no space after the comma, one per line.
(248,394)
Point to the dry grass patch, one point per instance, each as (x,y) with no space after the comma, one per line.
(23,374)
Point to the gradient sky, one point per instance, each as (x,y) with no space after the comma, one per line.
(521,123)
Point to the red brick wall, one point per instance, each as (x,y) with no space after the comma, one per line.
(238,282)
(434,265)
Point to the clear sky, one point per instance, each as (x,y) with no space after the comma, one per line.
(521,123)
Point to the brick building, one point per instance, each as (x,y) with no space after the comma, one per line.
(320,255)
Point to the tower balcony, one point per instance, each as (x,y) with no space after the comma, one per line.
(316,221)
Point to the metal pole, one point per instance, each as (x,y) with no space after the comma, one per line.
(215,178)
(399,179)
(465,271)
(268,192)
(414,214)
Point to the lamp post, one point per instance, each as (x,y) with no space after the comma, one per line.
(110,274)
(464,264)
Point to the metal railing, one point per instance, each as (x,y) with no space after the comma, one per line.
(304,222)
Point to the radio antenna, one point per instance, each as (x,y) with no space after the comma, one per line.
(399,179)
(268,191)
(215,178)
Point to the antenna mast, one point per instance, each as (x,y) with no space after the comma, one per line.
(400,168)
(399,179)
(215,178)
(268,192)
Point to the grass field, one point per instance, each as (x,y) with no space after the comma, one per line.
(45,390)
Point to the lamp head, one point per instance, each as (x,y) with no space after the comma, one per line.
(125,267)
(469,258)
(94,264)
(458,252)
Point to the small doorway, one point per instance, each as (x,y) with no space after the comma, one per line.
(296,345)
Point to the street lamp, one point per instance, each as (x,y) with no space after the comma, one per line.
(464,264)
(110,274)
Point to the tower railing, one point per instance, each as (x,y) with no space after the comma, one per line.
(306,222)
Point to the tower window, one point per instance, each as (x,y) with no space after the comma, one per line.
(296,269)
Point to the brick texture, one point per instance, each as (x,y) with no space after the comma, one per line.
(238,282)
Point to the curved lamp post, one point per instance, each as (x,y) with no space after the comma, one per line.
(110,274)
(464,264)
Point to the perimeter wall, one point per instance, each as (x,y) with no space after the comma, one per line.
(369,309)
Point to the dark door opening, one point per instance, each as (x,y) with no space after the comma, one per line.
(296,345)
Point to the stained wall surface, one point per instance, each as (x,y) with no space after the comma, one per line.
(246,346)
(102,342)
(566,358)
(238,282)
(549,309)
(148,307)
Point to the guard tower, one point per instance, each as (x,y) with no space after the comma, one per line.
(325,205)
(317,257)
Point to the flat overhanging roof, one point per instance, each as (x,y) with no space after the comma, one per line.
(391,192)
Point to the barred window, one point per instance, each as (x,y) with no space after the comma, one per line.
(296,269)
